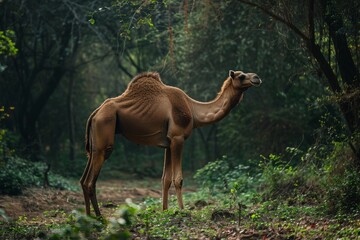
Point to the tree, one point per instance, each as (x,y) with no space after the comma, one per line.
(329,31)
(47,36)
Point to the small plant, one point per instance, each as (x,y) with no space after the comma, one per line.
(212,175)
(234,182)
(119,225)
(81,226)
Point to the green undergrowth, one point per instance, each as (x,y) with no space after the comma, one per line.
(216,217)
(17,174)
(206,216)
(297,195)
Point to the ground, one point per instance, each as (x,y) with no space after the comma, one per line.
(35,201)
(39,209)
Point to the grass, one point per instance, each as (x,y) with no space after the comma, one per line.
(213,218)
(208,215)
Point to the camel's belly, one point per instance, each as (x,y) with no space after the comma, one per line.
(145,124)
(155,139)
(145,132)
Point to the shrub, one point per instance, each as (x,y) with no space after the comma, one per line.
(82,226)
(235,182)
(342,180)
(290,177)
(212,175)
(18,174)
(10,182)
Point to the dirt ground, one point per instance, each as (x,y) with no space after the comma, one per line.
(38,203)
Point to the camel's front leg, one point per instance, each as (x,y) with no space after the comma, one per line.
(166,178)
(176,147)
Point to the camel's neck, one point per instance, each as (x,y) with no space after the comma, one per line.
(205,113)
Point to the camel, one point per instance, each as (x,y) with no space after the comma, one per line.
(152,113)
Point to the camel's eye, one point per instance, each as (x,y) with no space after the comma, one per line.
(242,77)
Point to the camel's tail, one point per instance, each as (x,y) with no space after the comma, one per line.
(87,133)
(87,136)
(88,129)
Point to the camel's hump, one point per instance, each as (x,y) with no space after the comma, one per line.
(146,76)
(144,88)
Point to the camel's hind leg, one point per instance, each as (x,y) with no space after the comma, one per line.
(98,159)
(166,178)
(82,180)
(102,138)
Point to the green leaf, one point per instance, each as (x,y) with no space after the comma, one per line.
(92,21)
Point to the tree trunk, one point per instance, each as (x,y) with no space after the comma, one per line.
(71,121)
(31,104)
(348,71)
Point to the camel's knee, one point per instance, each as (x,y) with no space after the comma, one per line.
(82,184)
(88,188)
(166,182)
(108,151)
(178,182)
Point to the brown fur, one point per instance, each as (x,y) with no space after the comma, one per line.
(180,108)
(152,113)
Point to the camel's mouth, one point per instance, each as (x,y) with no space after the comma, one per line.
(256,81)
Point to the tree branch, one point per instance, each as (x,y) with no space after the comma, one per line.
(277,17)
(132,61)
(311,22)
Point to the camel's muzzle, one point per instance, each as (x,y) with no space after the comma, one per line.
(256,81)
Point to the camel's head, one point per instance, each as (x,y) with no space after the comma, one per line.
(243,81)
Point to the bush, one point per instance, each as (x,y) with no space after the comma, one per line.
(212,175)
(342,181)
(283,178)
(82,226)
(324,174)
(19,174)
(10,182)
(235,182)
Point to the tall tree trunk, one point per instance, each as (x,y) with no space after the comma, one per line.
(348,70)
(70,108)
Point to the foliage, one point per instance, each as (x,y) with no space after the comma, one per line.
(82,226)
(264,219)
(112,41)
(212,175)
(342,180)
(282,179)
(140,13)
(7,44)
(119,225)
(8,139)
(7,47)
(18,174)
(328,34)
(326,176)
(237,182)
(220,176)
(207,216)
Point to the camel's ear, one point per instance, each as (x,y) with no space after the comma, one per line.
(232,74)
